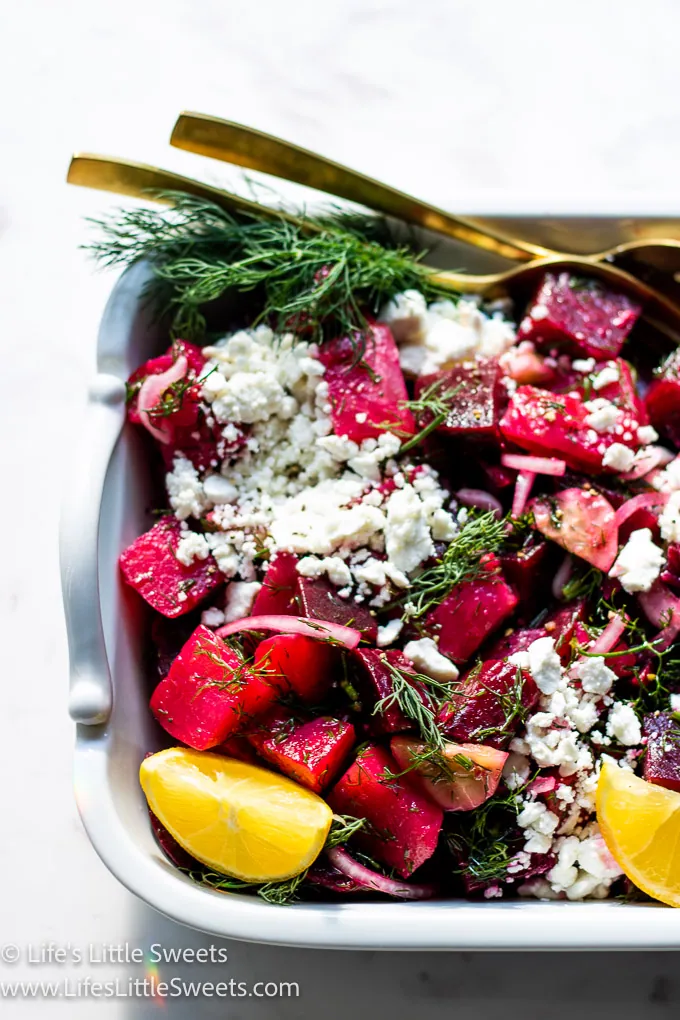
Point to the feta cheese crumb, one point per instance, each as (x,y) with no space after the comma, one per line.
(669,521)
(623,724)
(584,365)
(609,374)
(185,490)
(190,547)
(389,633)
(427,659)
(639,563)
(545,665)
(618,457)
(218,490)
(603,414)
(647,434)
(595,675)
(240,598)
(212,617)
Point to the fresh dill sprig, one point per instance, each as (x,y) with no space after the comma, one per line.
(343,827)
(484,839)
(584,583)
(512,705)
(322,282)
(407,694)
(433,406)
(461,561)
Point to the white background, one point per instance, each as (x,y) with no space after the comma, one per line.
(475,105)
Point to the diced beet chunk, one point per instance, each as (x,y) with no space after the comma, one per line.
(474,392)
(517,641)
(297,664)
(662,760)
(279,588)
(561,626)
(151,567)
(555,425)
(403,824)
(209,694)
(526,571)
(490,704)
(375,681)
(579,315)
(367,385)
(318,599)
(312,752)
(472,611)
(663,400)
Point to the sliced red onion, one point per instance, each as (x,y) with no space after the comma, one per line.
(341,860)
(609,637)
(151,392)
(647,460)
(481,499)
(646,500)
(662,608)
(538,465)
(562,576)
(543,784)
(525,480)
(319,629)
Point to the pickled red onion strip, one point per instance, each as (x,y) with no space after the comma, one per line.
(363,876)
(523,485)
(319,629)
(151,392)
(609,636)
(645,501)
(538,465)
(481,499)
(662,608)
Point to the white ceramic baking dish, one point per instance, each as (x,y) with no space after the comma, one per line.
(106,509)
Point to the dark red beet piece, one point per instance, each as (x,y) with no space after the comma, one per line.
(554,425)
(237,747)
(370,385)
(671,575)
(526,571)
(404,824)
(517,641)
(491,702)
(150,566)
(662,760)
(175,853)
(312,752)
(477,403)
(375,682)
(663,400)
(561,625)
(208,694)
(579,315)
(298,665)
(279,588)
(318,599)
(472,611)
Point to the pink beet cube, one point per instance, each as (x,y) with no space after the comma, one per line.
(554,425)
(404,824)
(579,315)
(375,682)
(476,397)
(663,400)
(490,705)
(299,665)
(150,566)
(208,694)
(527,572)
(279,588)
(183,406)
(318,599)
(311,752)
(662,760)
(366,384)
(466,617)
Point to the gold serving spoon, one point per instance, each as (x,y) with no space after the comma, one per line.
(655,260)
(139,180)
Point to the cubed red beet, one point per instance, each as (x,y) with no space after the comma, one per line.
(490,704)
(473,611)
(579,315)
(476,401)
(671,575)
(561,625)
(312,752)
(526,570)
(279,588)
(516,641)
(238,747)
(375,682)
(151,567)
(368,384)
(554,425)
(403,824)
(318,599)
(209,694)
(662,760)
(663,400)
(298,665)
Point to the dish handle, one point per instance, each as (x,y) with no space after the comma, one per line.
(90,695)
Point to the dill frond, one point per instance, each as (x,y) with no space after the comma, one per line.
(407,693)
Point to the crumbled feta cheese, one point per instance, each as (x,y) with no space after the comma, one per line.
(545,665)
(669,521)
(595,675)
(516,770)
(212,617)
(647,434)
(185,490)
(388,634)
(609,374)
(336,569)
(618,457)
(669,479)
(217,489)
(639,563)
(190,547)
(408,540)
(520,659)
(623,724)
(406,315)
(239,600)
(427,659)
(603,414)
(583,365)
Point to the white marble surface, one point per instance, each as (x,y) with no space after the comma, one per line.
(440,97)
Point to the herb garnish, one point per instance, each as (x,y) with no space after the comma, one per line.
(418,696)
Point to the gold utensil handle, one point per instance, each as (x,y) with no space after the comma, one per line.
(138,180)
(255,150)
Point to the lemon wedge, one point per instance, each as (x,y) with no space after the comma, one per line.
(238,819)
(640,823)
